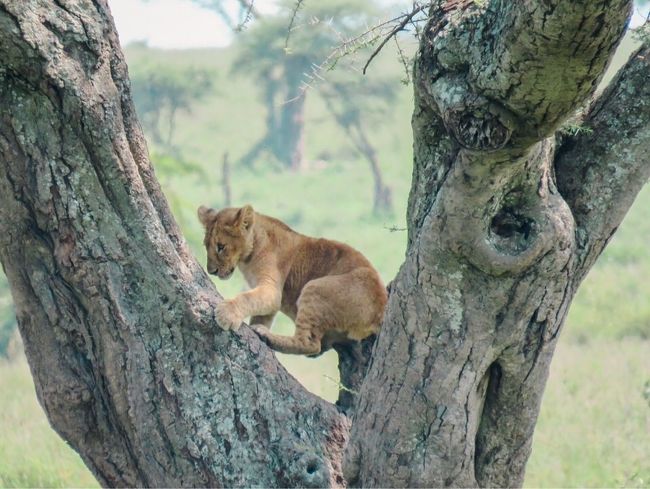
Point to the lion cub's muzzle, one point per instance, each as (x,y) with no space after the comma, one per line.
(222,274)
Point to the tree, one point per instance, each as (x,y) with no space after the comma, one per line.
(352,103)
(159,90)
(282,63)
(504,222)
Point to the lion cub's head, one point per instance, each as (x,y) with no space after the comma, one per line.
(228,237)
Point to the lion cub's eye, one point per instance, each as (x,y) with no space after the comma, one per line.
(220,247)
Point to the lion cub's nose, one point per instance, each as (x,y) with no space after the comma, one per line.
(212,271)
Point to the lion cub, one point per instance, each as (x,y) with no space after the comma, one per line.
(330,291)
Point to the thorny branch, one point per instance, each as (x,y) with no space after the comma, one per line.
(294,14)
(381,32)
(251,12)
(405,19)
(247,12)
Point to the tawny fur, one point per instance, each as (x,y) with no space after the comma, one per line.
(330,290)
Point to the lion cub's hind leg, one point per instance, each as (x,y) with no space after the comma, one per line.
(305,341)
(332,309)
(313,318)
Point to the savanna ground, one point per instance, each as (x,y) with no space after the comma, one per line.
(595,422)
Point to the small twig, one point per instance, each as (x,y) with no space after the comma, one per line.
(346,47)
(400,27)
(395,229)
(340,385)
(404,61)
(250,13)
(294,14)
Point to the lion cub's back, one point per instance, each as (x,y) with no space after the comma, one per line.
(319,257)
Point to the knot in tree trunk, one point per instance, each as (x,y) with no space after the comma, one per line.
(503,214)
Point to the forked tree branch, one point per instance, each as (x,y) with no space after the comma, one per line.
(117,317)
(601,169)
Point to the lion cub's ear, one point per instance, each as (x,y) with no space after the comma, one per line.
(245,218)
(205,215)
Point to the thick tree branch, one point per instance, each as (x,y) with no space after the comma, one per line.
(476,309)
(601,169)
(516,67)
(116,316)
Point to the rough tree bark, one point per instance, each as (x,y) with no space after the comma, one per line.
(503,226)
(117,318)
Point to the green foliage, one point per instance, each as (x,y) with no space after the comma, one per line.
(160,92)
(295,52)
(574,127)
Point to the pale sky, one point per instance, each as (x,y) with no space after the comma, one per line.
(181,24)
(172,23)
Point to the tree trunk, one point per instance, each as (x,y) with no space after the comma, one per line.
(496,251)
(285,123)
(383,196)
(225,181)
(172,124)
(118,319)
(116,316)
(269,141)
(290,142)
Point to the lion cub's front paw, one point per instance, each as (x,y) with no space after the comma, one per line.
(228,315)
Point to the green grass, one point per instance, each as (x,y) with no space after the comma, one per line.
(31,453)
(614,300)
(594,426)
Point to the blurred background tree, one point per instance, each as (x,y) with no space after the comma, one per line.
(286,54)
(160,91)
(355,103)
